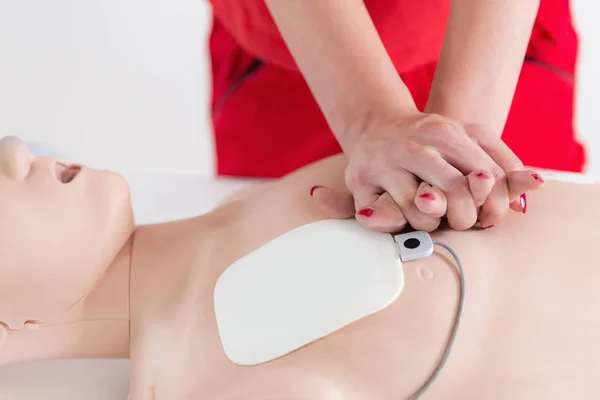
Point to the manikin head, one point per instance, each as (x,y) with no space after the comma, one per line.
(60,228)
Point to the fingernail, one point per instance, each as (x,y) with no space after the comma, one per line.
(366,212)
(482,175)
(537,177)
(427,196)
(488,227)
(312,189)
(523,203)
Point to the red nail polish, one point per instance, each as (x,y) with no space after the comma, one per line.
(488,227)
(482,175)
(427,196)
(366,212)
(537,177)
(312,189)
(523,202)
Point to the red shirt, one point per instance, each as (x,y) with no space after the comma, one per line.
(412,31)
(271,125)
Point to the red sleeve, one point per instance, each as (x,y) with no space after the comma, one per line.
(554,40)
(412,31)
(251,24)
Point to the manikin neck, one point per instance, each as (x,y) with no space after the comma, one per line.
(95,327)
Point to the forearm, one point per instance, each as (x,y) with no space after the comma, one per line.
(343,60)
(481,60)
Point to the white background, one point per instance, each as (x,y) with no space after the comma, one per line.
(124,84)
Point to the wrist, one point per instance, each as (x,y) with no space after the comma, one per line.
(466,108)
(351,121)
(439,103)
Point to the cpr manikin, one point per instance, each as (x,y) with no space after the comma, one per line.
(530,327)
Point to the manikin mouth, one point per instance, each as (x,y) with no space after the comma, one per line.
(66,173)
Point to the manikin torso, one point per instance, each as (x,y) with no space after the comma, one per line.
(530,329)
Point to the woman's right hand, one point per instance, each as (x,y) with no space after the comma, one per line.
(391,156)
(428,200)
(391,147)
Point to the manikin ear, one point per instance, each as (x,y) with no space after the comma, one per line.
(336,204)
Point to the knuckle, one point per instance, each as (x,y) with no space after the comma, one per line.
(423,222)
(479,134)
(381,158)
(398,219)
(461,224)
(388,203)
(354,177)
(412,146)
(494,213)
(432,225)
(511,162)
(461,221)
(432,119)
(457,186)
(394,214)
(446,129)
(498,173)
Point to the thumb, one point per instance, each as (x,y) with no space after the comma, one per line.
(336,204)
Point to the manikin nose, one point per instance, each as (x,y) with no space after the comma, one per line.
(15,158)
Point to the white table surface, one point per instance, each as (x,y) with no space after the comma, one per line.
(155,200)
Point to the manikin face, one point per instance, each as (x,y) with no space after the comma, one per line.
(60,228)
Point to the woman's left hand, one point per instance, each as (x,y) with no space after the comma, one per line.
(392,151)
(428,201)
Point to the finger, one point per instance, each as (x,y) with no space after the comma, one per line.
(496,206)
(485,175)
(383,215)
(461,209)
(456,147)
(495,147)
(364,196)
(462,212)
(418,220)
(428,165)
(402,187)
(431,200)
(336,204)
(481,184)
(520,182)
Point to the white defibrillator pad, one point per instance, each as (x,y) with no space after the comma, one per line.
(302,286)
